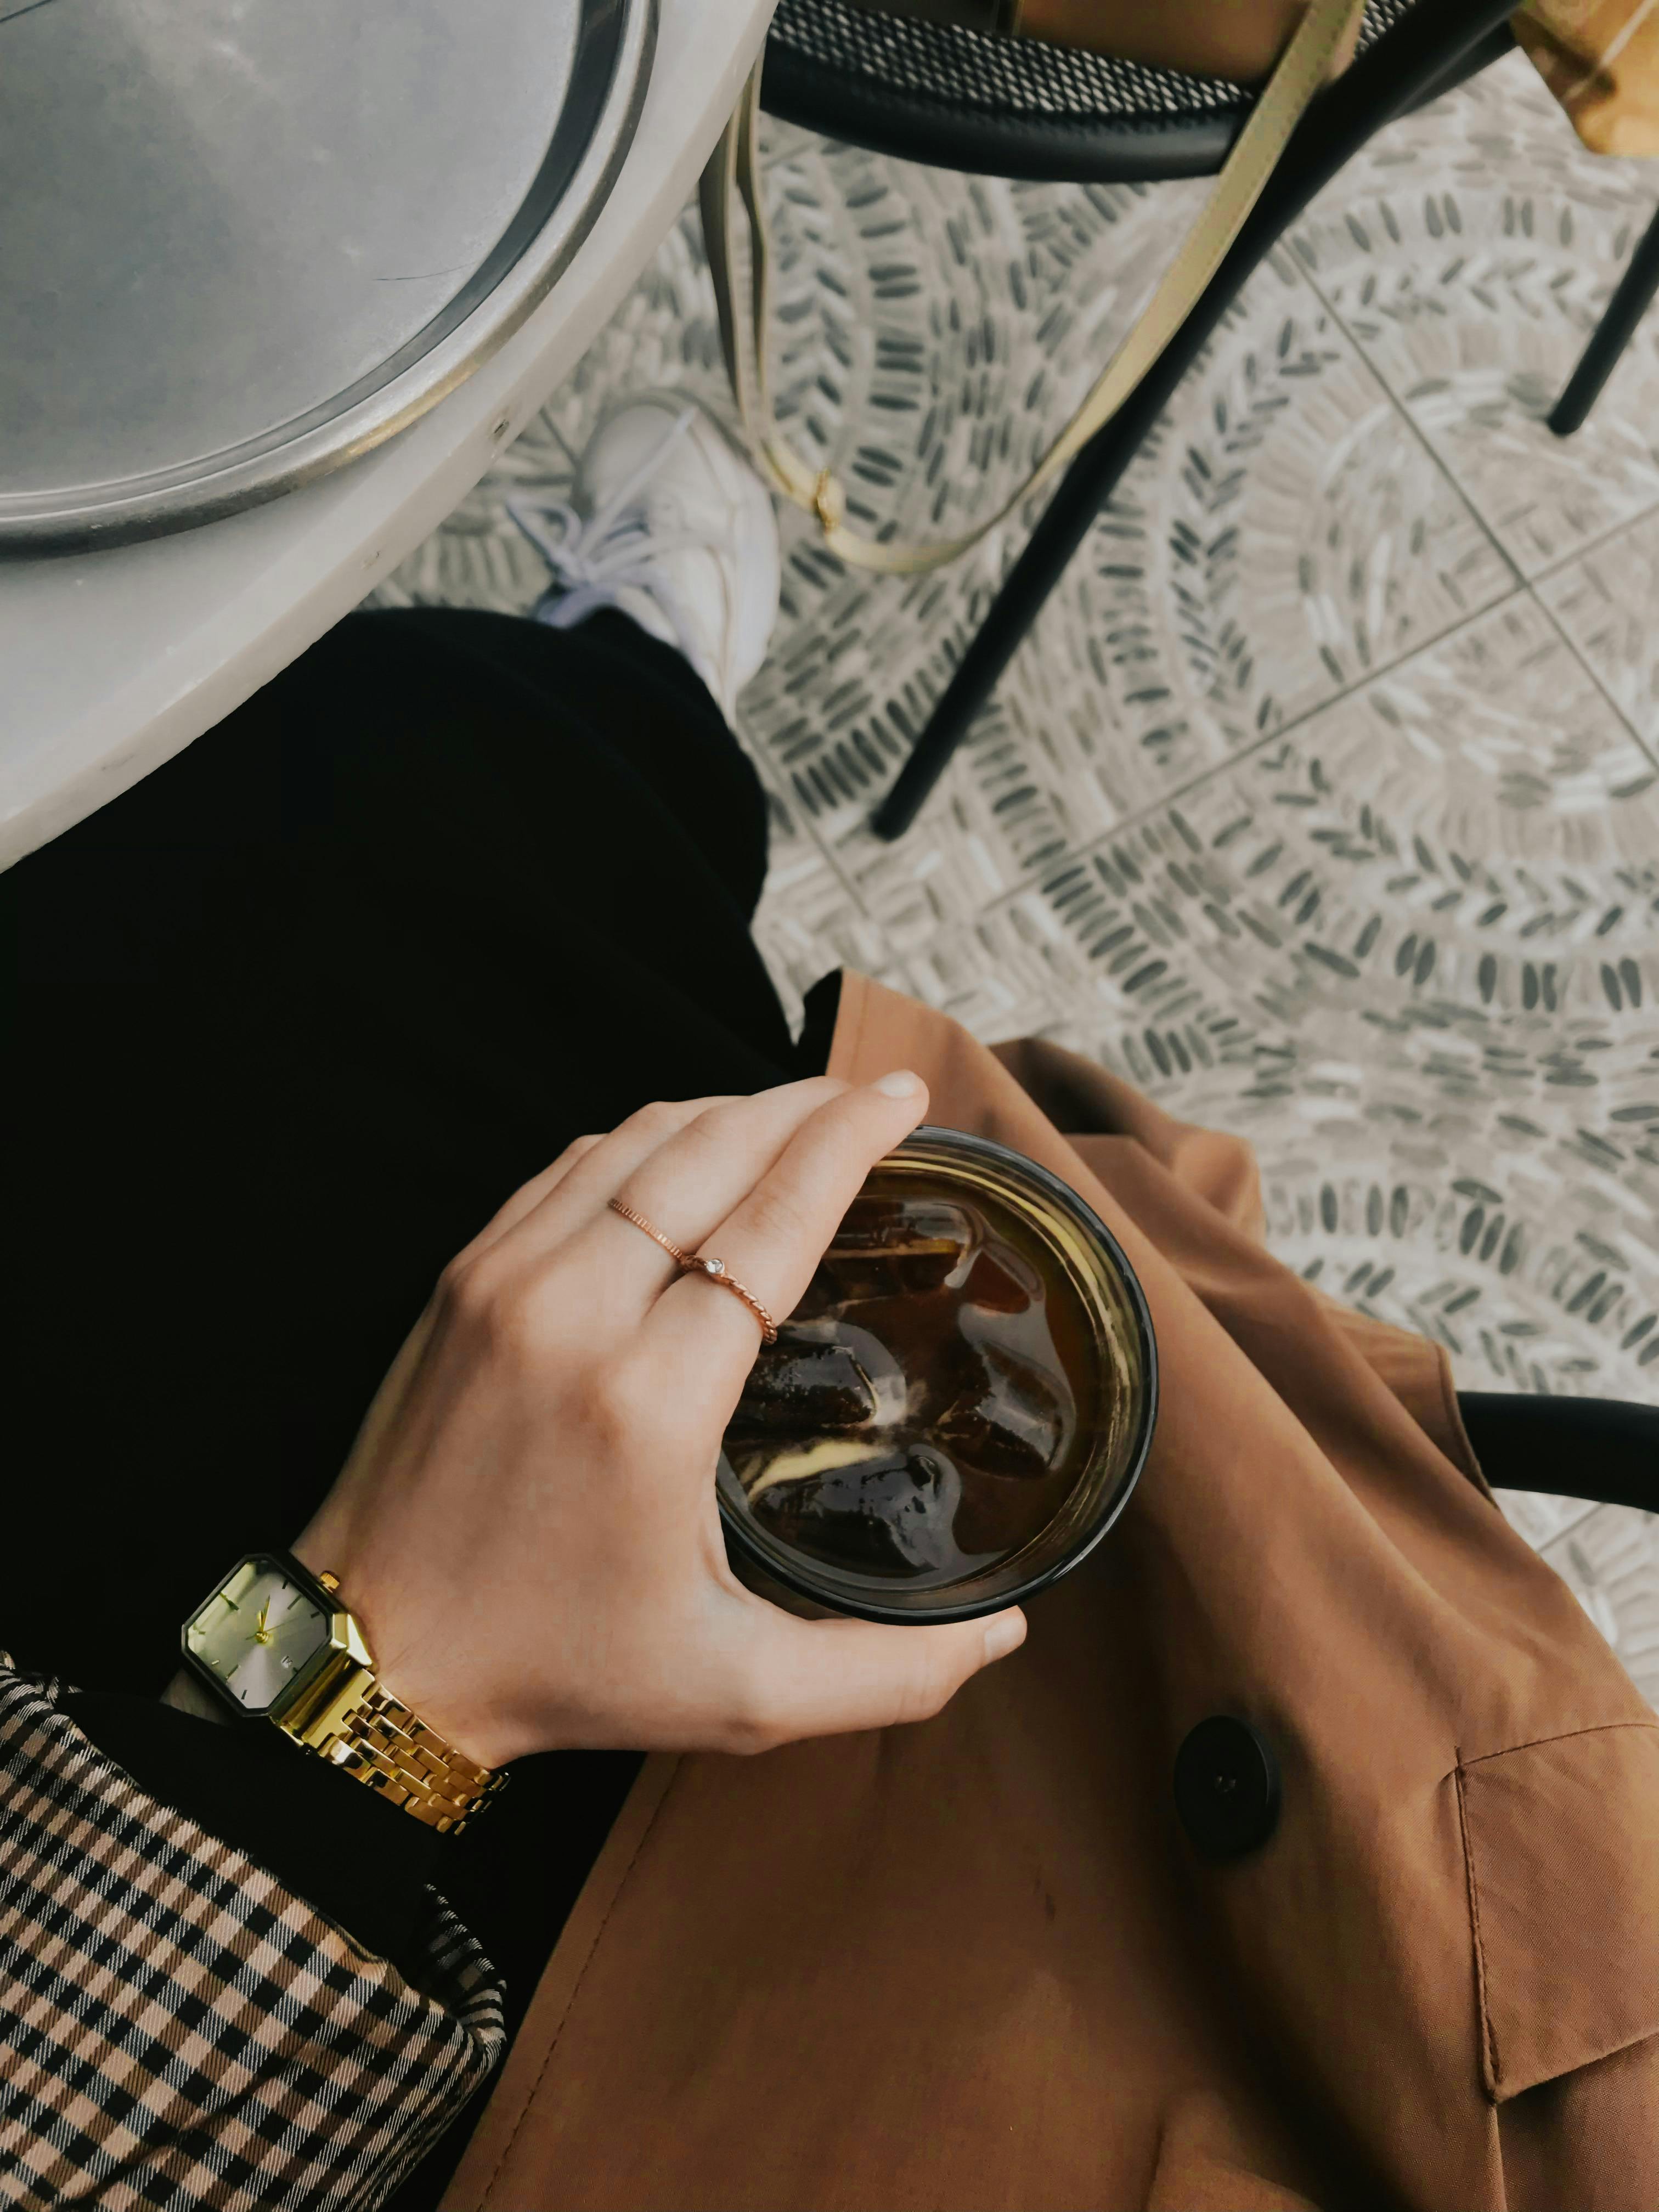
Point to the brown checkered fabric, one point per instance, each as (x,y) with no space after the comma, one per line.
(178,2029)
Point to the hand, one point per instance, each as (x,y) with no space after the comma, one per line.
(526,1526)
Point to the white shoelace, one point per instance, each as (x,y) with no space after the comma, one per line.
(613,546)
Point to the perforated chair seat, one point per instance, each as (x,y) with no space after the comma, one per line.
(1013,107)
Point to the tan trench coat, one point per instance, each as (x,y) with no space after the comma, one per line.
(975,1965)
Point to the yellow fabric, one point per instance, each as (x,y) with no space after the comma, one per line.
(1600,59)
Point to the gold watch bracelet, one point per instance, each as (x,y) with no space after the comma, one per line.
(348,1717)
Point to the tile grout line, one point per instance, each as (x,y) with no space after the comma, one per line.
(1642,746)
(1522,586)
(1558,567)
(1027,876)
(765,770)
(1140,815)
(1528,584)
(1033,878)
(1418,433)
(1602,538)
(1289,262)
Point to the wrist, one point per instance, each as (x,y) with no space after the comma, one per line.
(412,1668)
(277,1639)
(186,1695)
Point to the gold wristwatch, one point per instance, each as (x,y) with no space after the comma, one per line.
(275,1642)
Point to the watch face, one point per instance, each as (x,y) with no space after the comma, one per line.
(257,1634)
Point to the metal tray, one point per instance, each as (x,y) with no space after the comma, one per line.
(243,241)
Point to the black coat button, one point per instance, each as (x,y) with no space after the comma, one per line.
(1226,1788)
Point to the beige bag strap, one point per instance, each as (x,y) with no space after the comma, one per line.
(733,175)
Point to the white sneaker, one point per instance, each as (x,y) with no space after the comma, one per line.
(669,525)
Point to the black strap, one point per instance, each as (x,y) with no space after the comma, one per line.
(1607,1449)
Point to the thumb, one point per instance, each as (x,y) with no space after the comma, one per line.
(828,1677)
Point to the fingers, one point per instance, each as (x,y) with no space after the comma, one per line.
(688,1185)
(624,1148)
(529,1195)
(829,1677)
(775,1235)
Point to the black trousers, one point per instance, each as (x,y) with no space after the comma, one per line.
(281,1027)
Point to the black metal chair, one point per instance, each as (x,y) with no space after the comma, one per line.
(1633,295)
(1604,1448)
(1017,108)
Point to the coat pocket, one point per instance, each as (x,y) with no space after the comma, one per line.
(1561,1842)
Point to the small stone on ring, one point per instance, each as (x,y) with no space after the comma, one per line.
(714,1266)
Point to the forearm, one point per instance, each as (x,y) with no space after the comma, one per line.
(186,1695)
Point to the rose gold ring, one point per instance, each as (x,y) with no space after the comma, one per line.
(714,1270)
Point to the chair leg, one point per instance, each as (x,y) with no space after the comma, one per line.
(1067,520)
(1402,68)
(1634,295)
(1064,523)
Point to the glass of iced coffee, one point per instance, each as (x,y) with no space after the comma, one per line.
(959,1407)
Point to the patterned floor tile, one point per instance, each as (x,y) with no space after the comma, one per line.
(808,924)
(1009,972)
(1542,1519)
(1611,1559)
(1607,602)
(1143,671)
(1470,251)
(1414,951)
(1513,1253)
(1467,839)
(1282,536)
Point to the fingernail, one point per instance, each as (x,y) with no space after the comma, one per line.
(1004,1634)
(901,1084)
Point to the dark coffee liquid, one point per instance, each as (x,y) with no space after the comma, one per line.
(925,1408)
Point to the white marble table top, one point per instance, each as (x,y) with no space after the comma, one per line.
(111,661)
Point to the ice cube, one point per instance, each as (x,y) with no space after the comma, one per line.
(1010,1417)
(810,1382)
(899,1247)
(886,1514)
(1002,1281)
